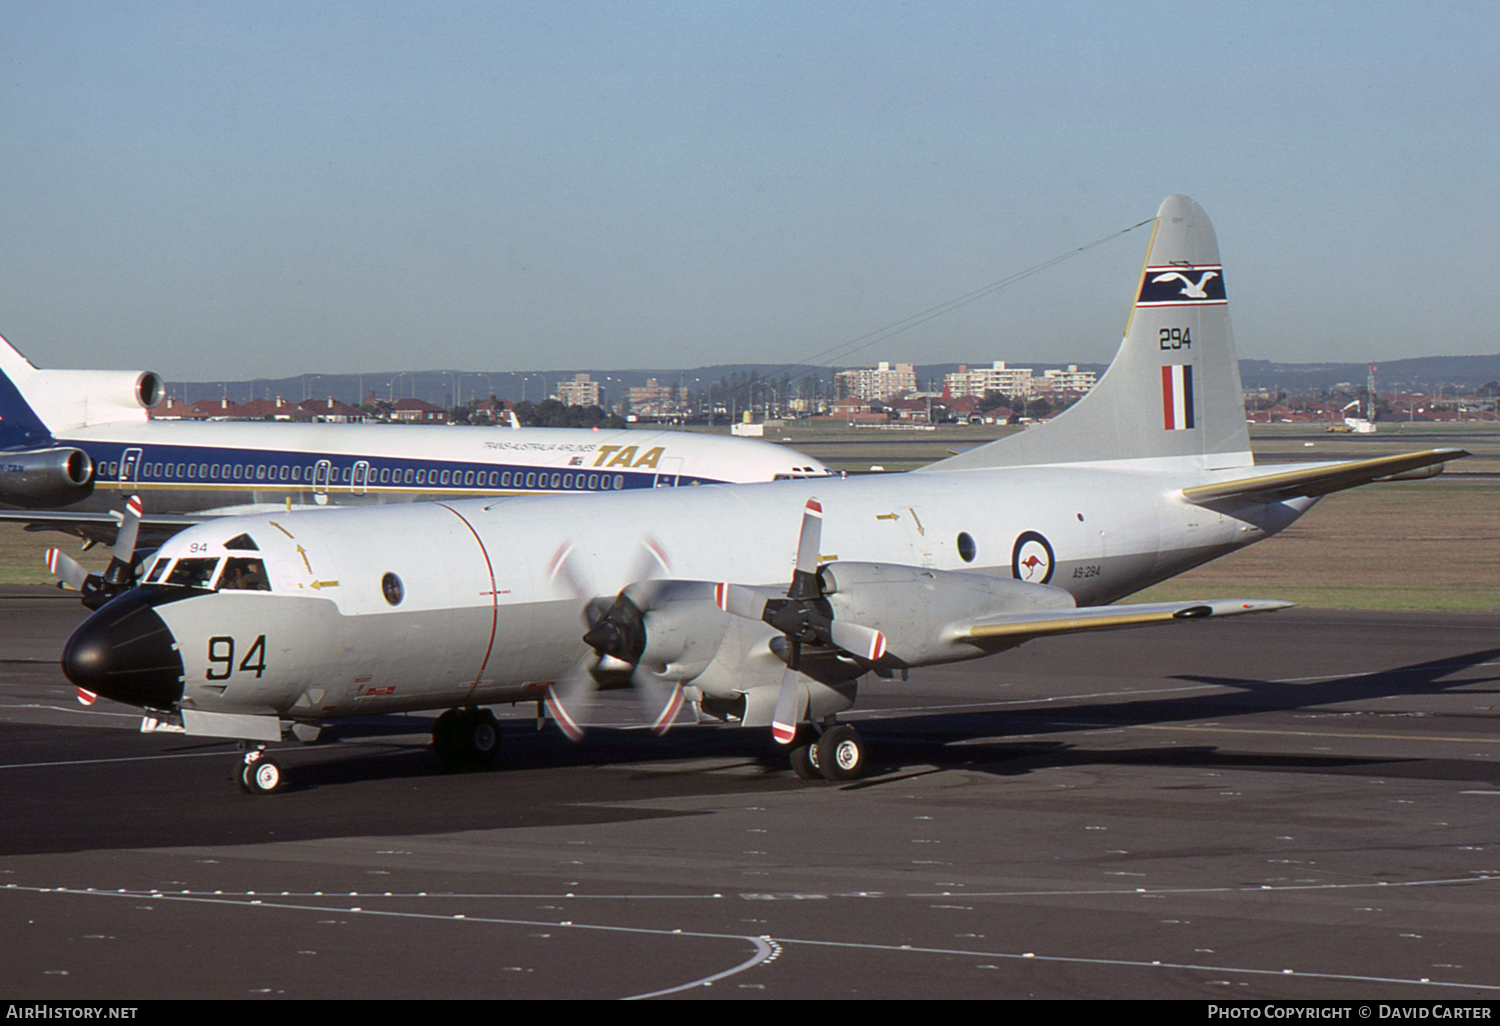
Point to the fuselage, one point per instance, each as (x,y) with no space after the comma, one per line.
(441,604)
(180,467)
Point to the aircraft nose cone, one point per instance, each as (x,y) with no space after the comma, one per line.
(126,652)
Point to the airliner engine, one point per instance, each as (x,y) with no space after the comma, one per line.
(45,477)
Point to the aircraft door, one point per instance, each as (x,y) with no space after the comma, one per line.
(322,474)
(130,463)
(669,471)
(361,481)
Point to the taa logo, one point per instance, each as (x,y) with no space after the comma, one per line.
(1031,560)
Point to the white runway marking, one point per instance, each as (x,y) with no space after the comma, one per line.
(221,754)
(764,947)
(767,948)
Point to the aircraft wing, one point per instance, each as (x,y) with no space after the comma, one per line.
(1015,629)
(1321,480)
(101,527)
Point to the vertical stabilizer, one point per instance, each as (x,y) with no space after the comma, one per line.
(20,427)
(1173,390)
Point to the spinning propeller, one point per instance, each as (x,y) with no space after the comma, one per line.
(121,573)
(806,618)
(617,637)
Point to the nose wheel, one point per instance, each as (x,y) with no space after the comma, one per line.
(260,774)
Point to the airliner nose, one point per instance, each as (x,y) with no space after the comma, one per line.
(126,652)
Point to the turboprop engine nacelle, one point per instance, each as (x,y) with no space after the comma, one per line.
(916,608)
(45,477)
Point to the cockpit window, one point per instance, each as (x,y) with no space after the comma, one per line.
(157,569)
(244,575)
(242,541)
(192,573)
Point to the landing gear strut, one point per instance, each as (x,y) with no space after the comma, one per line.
(839,754)
(466,739)
(260,774)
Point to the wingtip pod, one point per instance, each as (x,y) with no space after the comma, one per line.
(1173,389)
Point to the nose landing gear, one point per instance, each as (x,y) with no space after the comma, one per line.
(259,773)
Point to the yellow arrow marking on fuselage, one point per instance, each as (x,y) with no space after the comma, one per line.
(887,516)
(303,553)
(325,584)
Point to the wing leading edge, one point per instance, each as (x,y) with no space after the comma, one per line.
(1324,479)
(1025,626)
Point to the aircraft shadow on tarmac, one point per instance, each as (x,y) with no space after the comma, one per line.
(985,747)
(376,784)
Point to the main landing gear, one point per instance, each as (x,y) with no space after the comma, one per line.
(259,773)
(838,754)
(466,739)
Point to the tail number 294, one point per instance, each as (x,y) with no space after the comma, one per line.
(221,658)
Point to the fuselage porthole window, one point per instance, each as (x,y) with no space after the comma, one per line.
(966,547)
(531,479)
(392,588)
(619,481)
(505,480)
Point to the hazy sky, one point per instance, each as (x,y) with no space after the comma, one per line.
(222,189)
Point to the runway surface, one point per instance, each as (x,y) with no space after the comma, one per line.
(1296,805)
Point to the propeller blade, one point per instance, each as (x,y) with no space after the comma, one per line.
(650,561)
(660,700)
(568,699)
(791,703)
(130,526)
(865,642)
(740,600)
(804,578)
(66,569)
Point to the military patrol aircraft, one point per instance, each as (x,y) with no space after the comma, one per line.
(74,443)
(761,605)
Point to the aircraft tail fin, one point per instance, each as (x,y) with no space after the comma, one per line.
(20,427)
(36,404)
(1173,390)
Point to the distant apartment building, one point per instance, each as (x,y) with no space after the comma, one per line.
(1011,381)
(1069,379)
(1018,382)
(581,391)
(878,383)
(654,399)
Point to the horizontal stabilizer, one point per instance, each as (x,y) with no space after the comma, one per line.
(1018,628)
(1323,479)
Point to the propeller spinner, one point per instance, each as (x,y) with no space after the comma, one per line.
(616,636)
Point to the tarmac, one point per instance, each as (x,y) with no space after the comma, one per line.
(1292,806)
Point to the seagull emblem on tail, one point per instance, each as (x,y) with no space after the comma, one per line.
(1193,290)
